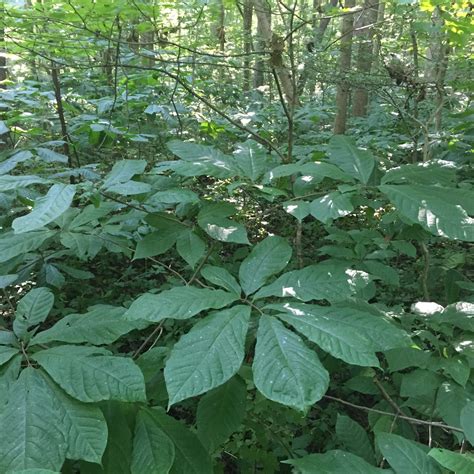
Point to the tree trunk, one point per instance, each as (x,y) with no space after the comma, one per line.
(364,32)
(277,46)
(3,59)
(247,19)
(264,25)
(343,88)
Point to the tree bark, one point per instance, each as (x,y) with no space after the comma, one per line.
(364,32)
(3,59)
(247,20)
(264,25)
(343,88)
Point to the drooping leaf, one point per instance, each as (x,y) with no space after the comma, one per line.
(91,214)
(178,303)
(8,183)
(47,208)
(153,451)
(102,324)
(3,128)
(33,438)
(220,412)
(439,210)
(130,188)
(450,401)
(123,171)
(208,355)
(458,463)
(354,438)
(190,455)
(202,160)
(428,173)
(467,421)
(51,156)
(175,196)
(252,159)
(404,455)
(213,219)
(7,280)
(84,245)
(334,462)
(6,353)
(221,277)
(284,369)
(344,153)
(348,333)
(83,426)
(330,280)
(190,247)
(10,163)
(298,209)
(268,257)
(32,309)
(12,245)
(92,378)
(155,243)
(331,206)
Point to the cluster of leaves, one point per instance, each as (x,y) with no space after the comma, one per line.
(259,326)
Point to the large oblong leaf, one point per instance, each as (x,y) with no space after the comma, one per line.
(47,208)
(12,245)
(178,303)
(83,425)
(331,206)
(467,421)
(285,370)
(220,412)
(208,355)
(268,257)
(102,324)
(346,332)
(357,163)
(458,463)
(440,211)
(334,462)
(32,309)
(30,436)
(8,182)
(153,451)
(354,438)
(190,455)
(332,281)
(92,378)
(123,171)
(405,456)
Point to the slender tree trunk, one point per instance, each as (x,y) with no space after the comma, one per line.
(264,25)
(377,43)
(247,20)
(3,59)
(220,33)
(147,40)
(343,88)
(364,32)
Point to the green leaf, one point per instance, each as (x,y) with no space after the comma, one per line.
(331,206)
(130,188)
(450,401)
(181,302)
(405,456)
(83,426)
(190,247)
(268,257)
(334,462)
(7,280)
(91,214)
(123,171)
(354,438)
(298,209)
(9,164)
(47,208)
(220,412)
(202,160)
(153,451)
(83,245)
(284,369)
(467,421)
(155,243)
(419,382)
(92,378)
(174,196)
(428,173)
(347,333)
(213,220)
(357,163)
(32,309)
(458,463)
(8,183)
(332,281)
(6,353)
(208,355)
(252,159)
(190,455)
(102,324)
(439,210)
(12,245)
(3,128)
(31,436)
(221,277)
(383,272)
(51,156)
